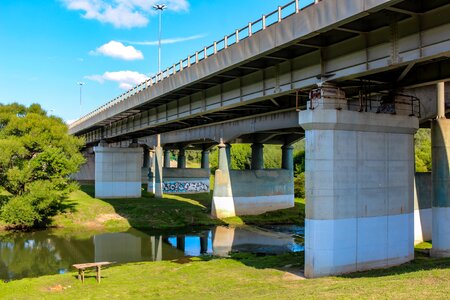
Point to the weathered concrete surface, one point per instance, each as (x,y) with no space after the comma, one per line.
(118,172)
(360,190)
(251,192)
(86,174)
(440,141)
(158,171)
(423,199)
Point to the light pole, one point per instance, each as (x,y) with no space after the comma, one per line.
(81,87)
(159,8)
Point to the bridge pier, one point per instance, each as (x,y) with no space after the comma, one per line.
(118,172)
(257,156)
(151,172)
(158,170)
(181,158)
(166,158)
(359,187)
(250,192)
(205,159)
(145,164)
(440,141)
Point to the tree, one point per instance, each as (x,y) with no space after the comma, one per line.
(423,150)
(37,155)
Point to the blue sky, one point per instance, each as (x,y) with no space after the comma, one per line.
(47,46)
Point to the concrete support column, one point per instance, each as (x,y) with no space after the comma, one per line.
(181,158)
(158,172)
(287,158)
(224,157)
(145,165)
(360,189)
(203,244)
(222,205)
(257,156)
(205,159)
(151,173)
(440,142)
(118,172)
(166,158)
(181,243)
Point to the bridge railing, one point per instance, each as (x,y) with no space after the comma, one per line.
(382,102)
(276,16)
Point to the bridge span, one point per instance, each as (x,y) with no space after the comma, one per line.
(357,78)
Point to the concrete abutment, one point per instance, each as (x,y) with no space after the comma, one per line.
(118,172)
(250,192)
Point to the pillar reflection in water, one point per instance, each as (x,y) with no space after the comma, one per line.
(251,239)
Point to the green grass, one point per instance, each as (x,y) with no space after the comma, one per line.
(173,211)
(243,276)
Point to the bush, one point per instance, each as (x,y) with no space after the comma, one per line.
(299,185)
(19,212)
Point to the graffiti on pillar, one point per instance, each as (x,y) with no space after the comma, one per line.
(175,187)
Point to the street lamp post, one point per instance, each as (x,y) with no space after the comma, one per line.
(159,8)
(81,87)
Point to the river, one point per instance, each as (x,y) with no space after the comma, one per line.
(53,251)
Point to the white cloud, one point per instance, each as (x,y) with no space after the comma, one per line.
(168,41)
(126,79)
(122,13)
(118,50)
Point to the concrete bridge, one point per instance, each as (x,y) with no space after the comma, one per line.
(355,77)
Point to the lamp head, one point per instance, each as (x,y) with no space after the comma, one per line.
(160,7)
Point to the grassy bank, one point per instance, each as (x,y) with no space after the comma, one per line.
(243,276)
(83,210)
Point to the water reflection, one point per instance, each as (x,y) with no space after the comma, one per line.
(52,252)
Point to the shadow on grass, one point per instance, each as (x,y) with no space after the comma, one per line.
(288,216)
(420,263)
(170,212)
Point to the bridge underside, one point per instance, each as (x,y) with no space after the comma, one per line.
(357,78)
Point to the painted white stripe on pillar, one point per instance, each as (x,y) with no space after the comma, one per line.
(232,206)
(355,244)
(441,230)
(117,189)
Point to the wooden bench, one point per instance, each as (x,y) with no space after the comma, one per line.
(97,265)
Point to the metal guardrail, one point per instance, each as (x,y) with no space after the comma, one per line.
(380,103)
(247,31)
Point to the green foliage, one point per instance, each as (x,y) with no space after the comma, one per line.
(19,211)
(423,150)
(241,157)
(272,156)
(36,158)
(299,185)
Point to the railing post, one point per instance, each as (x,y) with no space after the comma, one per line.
(205,55)
(196,57)
(279,14)
(250,29)
(181,65)
(225,42)
(189,61)
(297,6)
(174,68)
(263,22)
(237,36)
(215,47)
